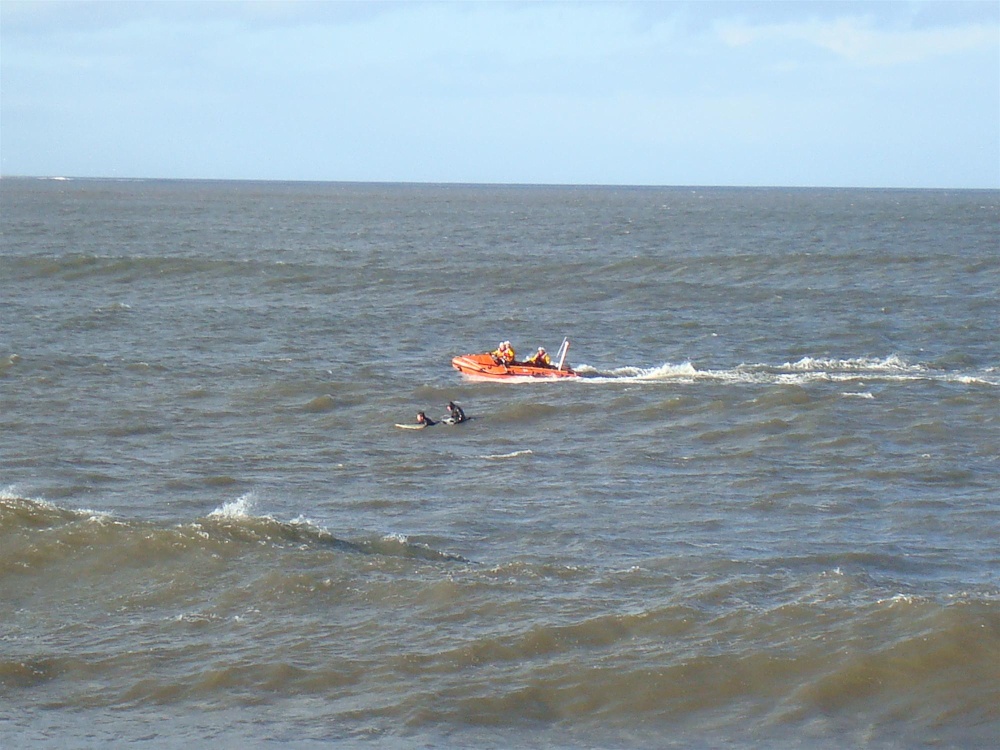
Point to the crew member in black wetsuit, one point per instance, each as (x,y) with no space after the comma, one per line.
(455,413)
(425,420)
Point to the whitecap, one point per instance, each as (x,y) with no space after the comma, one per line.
(899,599)
(501,456)
(892,363)
(241,507)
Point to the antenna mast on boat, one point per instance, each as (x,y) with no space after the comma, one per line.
(563,348)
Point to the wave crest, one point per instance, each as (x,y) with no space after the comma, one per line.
(38,533)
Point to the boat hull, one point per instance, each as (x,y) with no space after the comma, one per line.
(483,366)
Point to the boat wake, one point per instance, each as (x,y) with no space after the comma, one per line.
(804,371)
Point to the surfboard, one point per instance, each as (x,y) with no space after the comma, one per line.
(410,426)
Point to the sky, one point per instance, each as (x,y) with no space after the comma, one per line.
(831,94)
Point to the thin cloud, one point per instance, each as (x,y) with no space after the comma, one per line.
(860,42)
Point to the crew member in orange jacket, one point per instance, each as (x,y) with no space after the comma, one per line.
(504,354)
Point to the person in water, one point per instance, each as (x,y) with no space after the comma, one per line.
(423,419)
(504,354)
(540,358)
(455,413)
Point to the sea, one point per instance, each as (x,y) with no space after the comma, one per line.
(767,515)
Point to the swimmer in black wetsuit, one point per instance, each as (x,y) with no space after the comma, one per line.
(424,420)
(455,413)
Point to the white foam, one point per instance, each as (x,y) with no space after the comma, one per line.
(99,517)
(12,492)
(241,507)
(899,599)
(685,371)
(501,456)
(801,372)
(973,380)
(890,363)
(668,371)
(113,307)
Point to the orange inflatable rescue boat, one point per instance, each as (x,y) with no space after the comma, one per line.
(486,367)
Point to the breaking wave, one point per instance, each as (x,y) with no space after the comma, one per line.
(234,528)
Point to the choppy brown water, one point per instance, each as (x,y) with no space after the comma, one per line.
(767,516)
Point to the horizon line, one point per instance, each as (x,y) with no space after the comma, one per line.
(432,183)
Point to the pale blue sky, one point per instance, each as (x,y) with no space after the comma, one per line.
(866,94)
